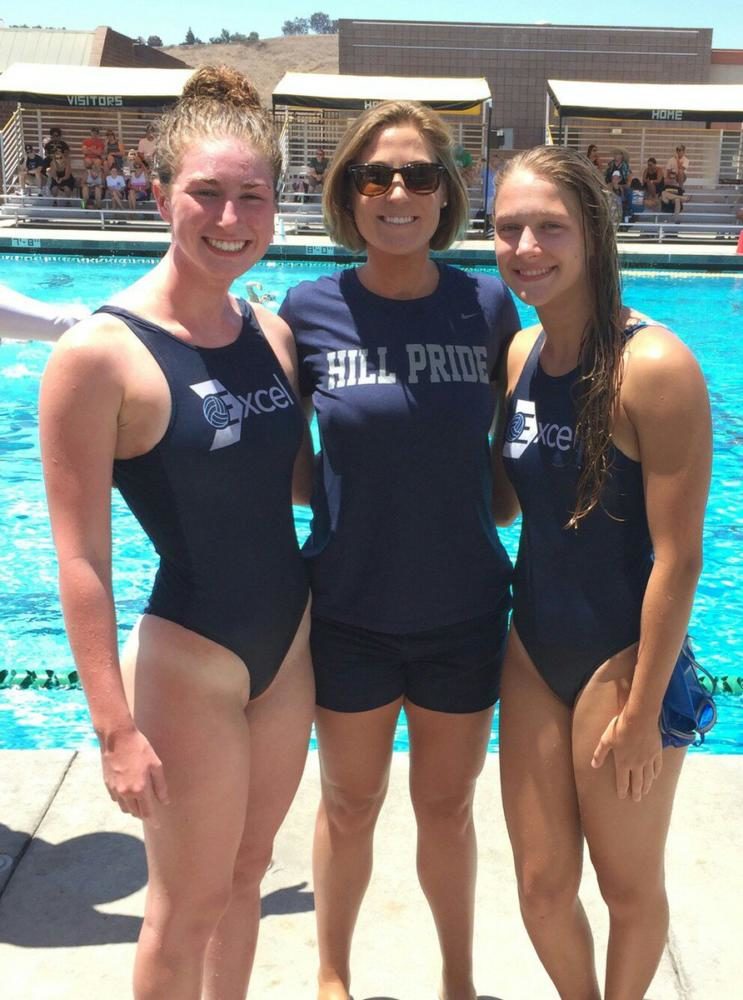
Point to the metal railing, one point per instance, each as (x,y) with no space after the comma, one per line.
(676,229)
(11,150)
(28,209)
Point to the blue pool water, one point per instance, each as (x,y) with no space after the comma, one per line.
(706,311)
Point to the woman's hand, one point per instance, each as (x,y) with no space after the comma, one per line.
(637,750)
(133,773)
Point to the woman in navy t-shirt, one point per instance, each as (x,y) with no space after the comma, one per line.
(410,581)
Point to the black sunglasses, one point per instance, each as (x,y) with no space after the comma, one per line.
(373,179)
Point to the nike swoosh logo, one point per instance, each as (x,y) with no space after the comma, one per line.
(470,315)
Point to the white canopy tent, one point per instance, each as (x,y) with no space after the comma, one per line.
(80,87)
(450,95)
(650,119)
(655,102)
(74,98)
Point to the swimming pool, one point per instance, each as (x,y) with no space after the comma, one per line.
(705,310)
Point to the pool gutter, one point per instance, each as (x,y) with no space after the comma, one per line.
(718,257)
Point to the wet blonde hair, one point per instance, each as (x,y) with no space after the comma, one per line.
(602,345)
(217,101)
(338,191)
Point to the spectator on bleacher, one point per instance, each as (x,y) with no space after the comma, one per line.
(138,188)
(32,166)
(316,174)
(462,158)
(61,181)
(146,145)
(116,187)
(593,155)
(636,197)
(55,144)
(618,164)
(132,163)
(652,182)
(128,168)
(300,183)
(93,185)
(114,151)
(92,148)
(617,197)
(672,197)
(679,164)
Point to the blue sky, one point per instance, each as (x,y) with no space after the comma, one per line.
(170,21)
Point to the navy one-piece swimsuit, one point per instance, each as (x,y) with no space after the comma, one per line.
(214,495)
(578,592)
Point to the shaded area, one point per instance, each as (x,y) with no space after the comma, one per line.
(292,899)
(62,885)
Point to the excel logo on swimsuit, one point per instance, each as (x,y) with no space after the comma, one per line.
(523,428)
(226,413)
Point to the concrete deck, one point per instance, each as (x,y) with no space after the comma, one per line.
(72,874)
(120,241)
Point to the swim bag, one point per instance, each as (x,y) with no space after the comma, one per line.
(688,711)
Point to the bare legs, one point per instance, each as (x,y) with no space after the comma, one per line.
(552,800)
(626,841)
(446,756)
(543,820)
(355,754)
(85,194)
(447,753)
(279,724)
(208,849)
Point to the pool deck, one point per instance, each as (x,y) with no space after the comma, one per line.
(719,256)
(72,874)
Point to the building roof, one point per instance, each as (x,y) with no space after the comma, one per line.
(91,86)
(676,102)
(333,90)
(47,46)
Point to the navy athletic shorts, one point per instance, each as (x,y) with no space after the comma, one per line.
(456,668)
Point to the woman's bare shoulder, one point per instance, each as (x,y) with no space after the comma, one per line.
(100,346)
(655,344)
(660,369)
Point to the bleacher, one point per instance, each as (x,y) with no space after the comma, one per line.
(709,215)
(31,209)
(28,207)
(714,183)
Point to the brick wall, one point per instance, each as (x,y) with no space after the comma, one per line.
(113,49)
(517,60)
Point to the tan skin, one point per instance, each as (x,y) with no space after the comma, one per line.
(447,751)
(210,772)
(596,772)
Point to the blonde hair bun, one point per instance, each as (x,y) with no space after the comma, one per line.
(217,102)
(223,84)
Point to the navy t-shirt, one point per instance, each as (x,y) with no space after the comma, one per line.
(403,537)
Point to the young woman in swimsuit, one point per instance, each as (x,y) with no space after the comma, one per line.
(652,178)
(61,180)
(608,448)
(410,581)
(184,396)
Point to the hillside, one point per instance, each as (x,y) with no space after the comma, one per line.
(267,61)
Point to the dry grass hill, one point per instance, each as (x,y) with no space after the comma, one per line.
(267,61)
